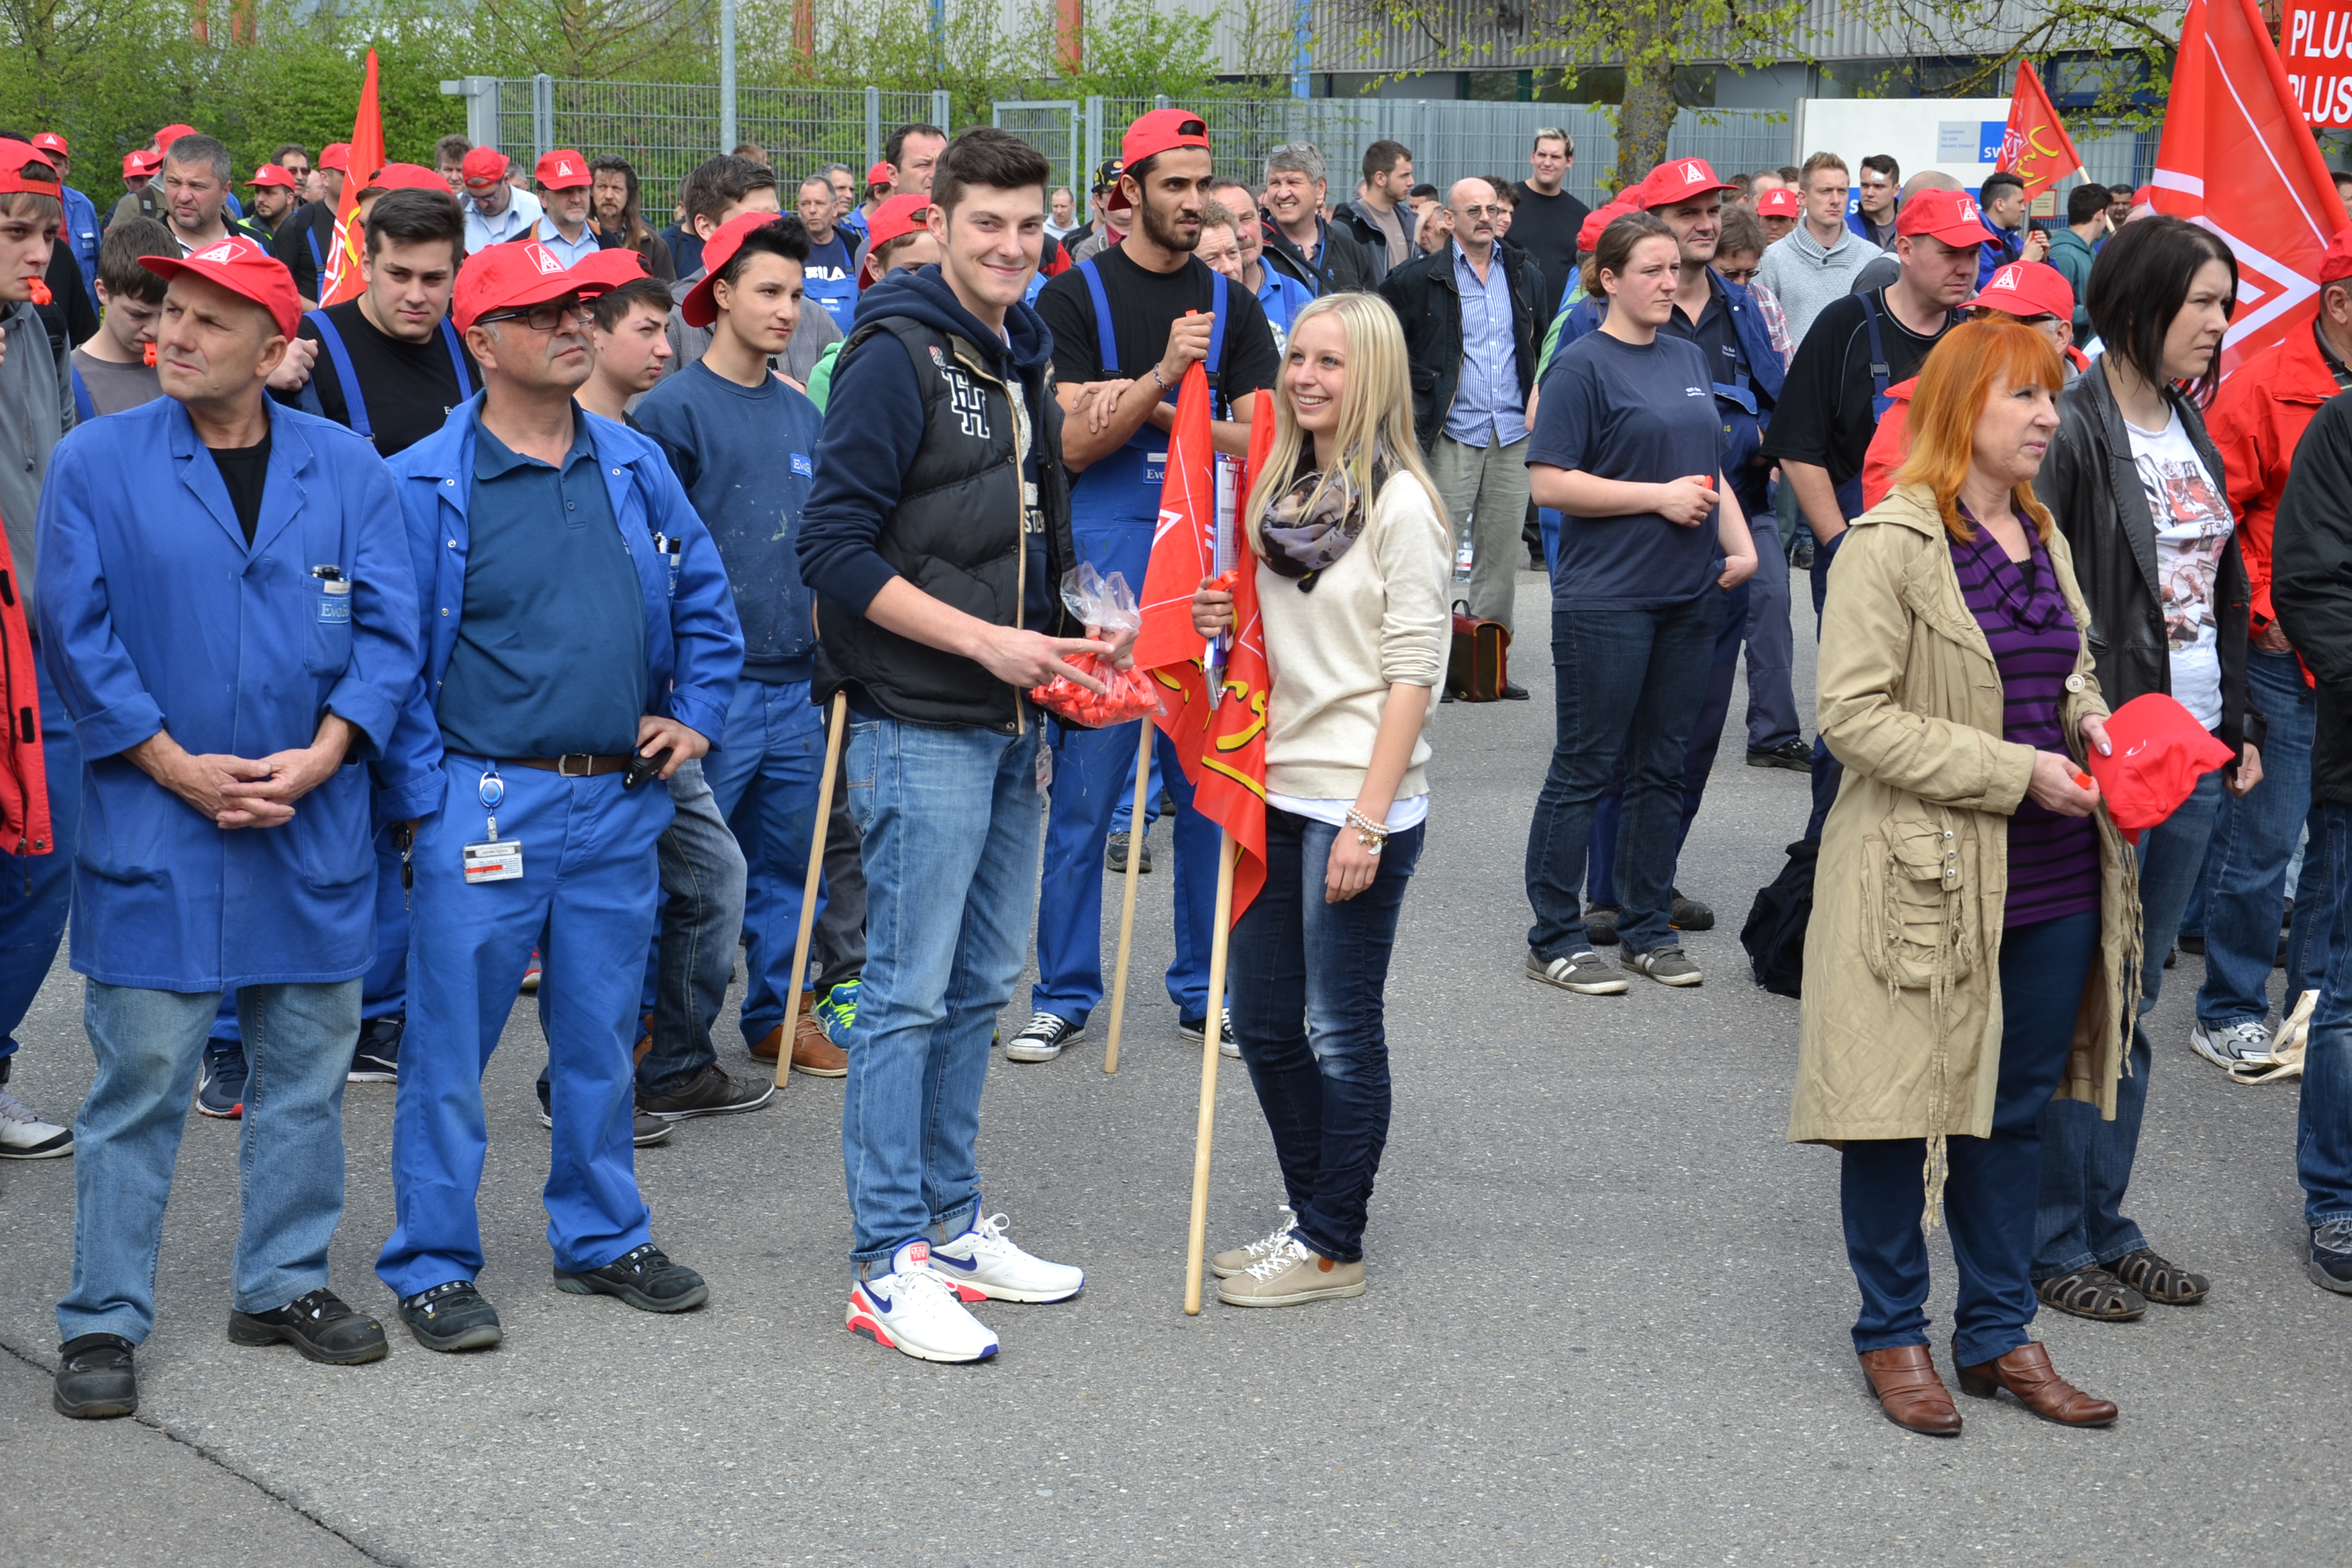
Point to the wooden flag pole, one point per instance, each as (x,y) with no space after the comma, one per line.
(838,727)
(1135,831)
(1197,1241)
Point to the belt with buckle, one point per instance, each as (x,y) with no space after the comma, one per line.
(571,765)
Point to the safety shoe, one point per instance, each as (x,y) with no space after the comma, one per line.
(644,1129)
(644,1278)
(1583,972)
(1043,1040)
(1795,753)
(984,1258)
(376,1060)
(1600,924)
(318,1324)
(25,1136)
(95,1381)
(220,1083)
(1689,914)
(1289,1275)
(2330,1263)
(915,1311)
(2227,1046)
(452,1316)
(1666,965)
(1114,854)
(836,1010)
(1233,1260)
(710,1092)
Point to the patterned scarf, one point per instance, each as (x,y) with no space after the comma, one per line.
(1310,525)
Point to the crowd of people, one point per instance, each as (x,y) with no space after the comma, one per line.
(382,650)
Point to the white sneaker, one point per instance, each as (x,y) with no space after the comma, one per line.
(25,1136)
(984,1259)
(914,1312)
(2226,1046)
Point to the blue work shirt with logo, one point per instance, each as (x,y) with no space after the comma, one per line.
(830,278)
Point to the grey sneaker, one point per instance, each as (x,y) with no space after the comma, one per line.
(2330,1263)
(1235,1260)
(1666,965)
(2228,1045)
(1289,1275)
(1115,855)
(1582,973)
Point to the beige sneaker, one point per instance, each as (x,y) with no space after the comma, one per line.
(1227,1263)
(1291,1275)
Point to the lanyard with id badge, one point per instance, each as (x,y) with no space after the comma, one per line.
(494,859)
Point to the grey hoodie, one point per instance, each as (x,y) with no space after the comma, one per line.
(1805,277)
(36,409)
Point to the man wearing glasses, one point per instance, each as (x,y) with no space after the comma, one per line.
(581,639)
(495,211)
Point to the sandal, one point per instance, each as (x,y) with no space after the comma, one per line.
(2091,1292)
(2158,1281)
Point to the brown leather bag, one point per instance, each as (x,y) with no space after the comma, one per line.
(1480,665)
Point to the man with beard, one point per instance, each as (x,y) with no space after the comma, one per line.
(1122,342)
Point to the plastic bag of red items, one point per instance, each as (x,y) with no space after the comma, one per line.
(1106,604)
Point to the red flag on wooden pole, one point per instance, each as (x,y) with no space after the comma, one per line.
(2035,148)
(342,279)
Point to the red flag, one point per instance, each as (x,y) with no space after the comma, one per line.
(1223,750)
(341,280)
(2036,147)
(2237,159)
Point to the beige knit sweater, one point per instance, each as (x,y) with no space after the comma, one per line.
(1377,618)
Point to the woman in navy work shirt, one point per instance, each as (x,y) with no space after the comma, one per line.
(1628,448)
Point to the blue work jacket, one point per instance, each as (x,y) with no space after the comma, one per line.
(156,614)
(694,645)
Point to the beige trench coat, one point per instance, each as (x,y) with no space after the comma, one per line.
(1902,1021)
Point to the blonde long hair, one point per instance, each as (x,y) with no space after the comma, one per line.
(1375,411)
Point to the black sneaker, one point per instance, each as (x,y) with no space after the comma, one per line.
(2330,1263)
(1197,1029)
(645,1130)
(1043,1039)
(220,1085)
(318,1324)
(452,1317)
(377,1058)
(1513,692)
(709,1093)
(1689,914)
(1795,753)
(1600,924)
(95,1382)
(2192,941)
(645,1278)
(1115,855)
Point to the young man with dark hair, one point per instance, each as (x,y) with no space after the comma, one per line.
(115,369)
(1379,218)
(1875,184)
(631,339)
(913,153)
(2072,249)
(719,192)
(1549,219)
(944,465)
(2003,197)
(274,197)
(306,237)
(832,272)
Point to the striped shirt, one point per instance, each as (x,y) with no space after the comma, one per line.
(2054,861)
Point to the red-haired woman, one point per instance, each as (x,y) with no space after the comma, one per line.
(1973,915)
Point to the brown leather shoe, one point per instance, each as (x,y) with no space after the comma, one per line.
(814,1054)
(2026,1371)
(1912,1396)
(768,1046)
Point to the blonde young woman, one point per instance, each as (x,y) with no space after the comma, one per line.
(1352,556)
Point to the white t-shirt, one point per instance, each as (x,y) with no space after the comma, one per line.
(2192,528)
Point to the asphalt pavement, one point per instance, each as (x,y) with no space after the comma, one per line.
(1607,1321)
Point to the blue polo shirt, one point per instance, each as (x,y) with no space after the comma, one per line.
(551,654)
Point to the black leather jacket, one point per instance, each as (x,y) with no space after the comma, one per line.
(2093,489)
(1428,304)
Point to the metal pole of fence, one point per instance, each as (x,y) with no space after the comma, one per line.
(1094,139)
(939,108)
(542,115)
(727,137)
(873,131)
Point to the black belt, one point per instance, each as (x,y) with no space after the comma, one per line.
(571,765)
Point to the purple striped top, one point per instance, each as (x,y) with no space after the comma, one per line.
(2054,861)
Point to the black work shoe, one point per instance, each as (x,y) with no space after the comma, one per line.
(376,1059)
(709,1093)
(1600,924)
(1796,754)
(95,1382)
(1115,855)
(1513,692)
(452,1317)
(1689,914)
(645,1278)
(318,1324)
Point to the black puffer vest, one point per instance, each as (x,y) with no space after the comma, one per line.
(957,535)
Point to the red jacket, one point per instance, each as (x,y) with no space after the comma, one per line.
(24,783)
(2255,422)
(1889,443)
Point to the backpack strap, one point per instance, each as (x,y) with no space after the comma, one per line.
(354,405)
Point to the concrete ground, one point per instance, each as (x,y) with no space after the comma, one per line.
(1607,1322)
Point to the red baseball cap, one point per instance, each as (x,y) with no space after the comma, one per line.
(1162,130)
(1678,180)
(170,133)
(2027,288)
(407,177)
(50,142)
(1951,216)
(523,272)
(336,155)
(140,165)
(241,267)
(879,174)
(16,157)
(2159,752)
(1599,219)
(2336,265)
(611,267)
(483,167)
(699,307)
(274,174)
(902,214)
(562,170)
(1779,203)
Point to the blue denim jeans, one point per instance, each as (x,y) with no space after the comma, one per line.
(298,1049)
(2323,1147)
(2086,1160)
(35,889)
(702,915)
(1629,683)
(2253,839)
(765,778)
(1308,984)
(1988,1195)
(952,818)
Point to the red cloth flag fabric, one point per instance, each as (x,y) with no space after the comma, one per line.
(342,281)
(2237,159)
(1223,748)
(2035,148)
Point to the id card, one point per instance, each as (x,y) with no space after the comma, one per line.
(497,860)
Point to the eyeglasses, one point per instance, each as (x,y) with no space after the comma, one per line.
(544,318)
(1498,210)
(1739,274)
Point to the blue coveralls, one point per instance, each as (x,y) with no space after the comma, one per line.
(1114,508)
(587,899)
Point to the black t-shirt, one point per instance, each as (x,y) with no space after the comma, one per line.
(1144,305)
(1825,415)
(291,244)
(408,388)
(243,469)
(1546,228)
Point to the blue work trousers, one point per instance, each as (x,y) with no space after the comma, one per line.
(35,889)
(765,779)
(586,901)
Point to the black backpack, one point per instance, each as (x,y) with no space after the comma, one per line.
(1774,935)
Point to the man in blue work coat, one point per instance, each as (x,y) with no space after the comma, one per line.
(230,616)
(576,619)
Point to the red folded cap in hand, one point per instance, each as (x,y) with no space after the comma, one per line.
(2159,752)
